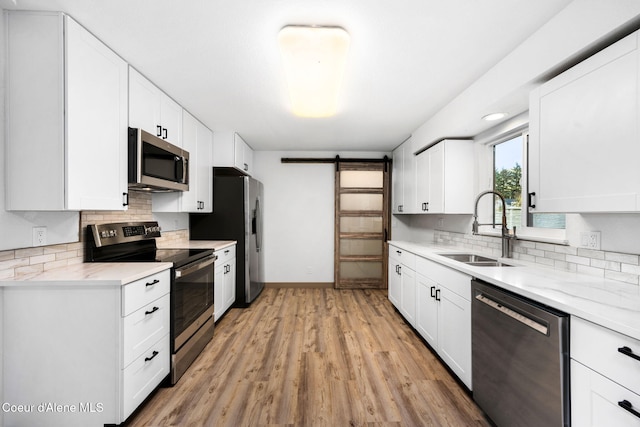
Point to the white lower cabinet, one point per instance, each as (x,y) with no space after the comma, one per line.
(224,293)
(84,353)
(436,301)
(408,294)
(427,312)
(402,291)
(443,314)
(605,376)
(394,280)
(596,400)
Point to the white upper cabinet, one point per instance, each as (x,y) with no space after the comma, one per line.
(152,110)
(403,192)
(66,117)
(197,139)
(204,172)
(584,135)
(243,155)
(397,177)
(444,178)
(230,150)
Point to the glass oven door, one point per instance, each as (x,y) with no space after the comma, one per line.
(191,298)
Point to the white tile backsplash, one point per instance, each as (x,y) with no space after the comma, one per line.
(17,262)
(611,265)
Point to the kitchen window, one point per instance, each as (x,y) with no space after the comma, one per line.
(510,180)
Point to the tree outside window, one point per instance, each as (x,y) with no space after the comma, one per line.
(508,158)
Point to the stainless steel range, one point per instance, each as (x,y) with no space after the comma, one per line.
(191,282)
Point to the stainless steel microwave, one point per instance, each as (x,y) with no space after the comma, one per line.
(155,164)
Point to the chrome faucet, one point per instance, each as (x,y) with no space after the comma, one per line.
(506,237)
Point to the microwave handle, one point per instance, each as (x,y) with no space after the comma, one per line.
(185,170)
(181,169)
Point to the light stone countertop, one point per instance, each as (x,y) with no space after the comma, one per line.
(614,305)
(216,245)
(108,274)
(90,274)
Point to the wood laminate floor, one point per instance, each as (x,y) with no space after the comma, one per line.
(313,357)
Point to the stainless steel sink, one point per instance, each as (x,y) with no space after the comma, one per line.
(476,260)
(494,263)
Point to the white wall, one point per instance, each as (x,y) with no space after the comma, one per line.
(299,215)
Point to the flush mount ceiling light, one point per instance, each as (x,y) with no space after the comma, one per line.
(314,60)
(494,116)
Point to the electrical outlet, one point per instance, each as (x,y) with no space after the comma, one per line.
(39,236)
(590,239)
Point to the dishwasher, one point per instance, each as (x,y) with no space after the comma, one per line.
(520,359)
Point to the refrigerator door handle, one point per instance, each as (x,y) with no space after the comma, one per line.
(256,222)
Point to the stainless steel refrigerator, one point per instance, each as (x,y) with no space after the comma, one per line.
(237,215)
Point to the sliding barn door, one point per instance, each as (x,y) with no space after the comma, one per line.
(362,222)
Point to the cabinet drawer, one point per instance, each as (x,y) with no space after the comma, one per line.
(144,327)
(136,295)
(403,257)
(595,400)
(446,277)
(598,348)
(143,375)
(225,255)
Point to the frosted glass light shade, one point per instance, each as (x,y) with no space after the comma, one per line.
(314,60)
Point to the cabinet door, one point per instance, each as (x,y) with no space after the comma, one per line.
(427,310)
(595,400)
(408,295)
(144,103)
(189,199)
(394,282)
(248,158)
(204,165)
(243,155)
(454,333)
(230,284)
(409,179)
(96,123)
(422,182)
(397,177)
(436,178)
(583,146)
(218,291)
(171,120)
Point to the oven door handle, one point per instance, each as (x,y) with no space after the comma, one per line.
(191,268)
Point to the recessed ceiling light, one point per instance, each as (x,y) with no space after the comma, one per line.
(494,116)
(314,60)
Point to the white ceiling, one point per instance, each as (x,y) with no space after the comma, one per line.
(220,60)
